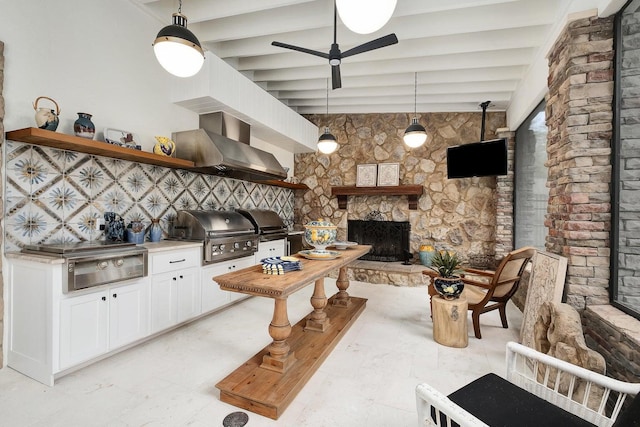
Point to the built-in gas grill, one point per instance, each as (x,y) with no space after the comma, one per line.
(225,234)
(95,263)
(268,224)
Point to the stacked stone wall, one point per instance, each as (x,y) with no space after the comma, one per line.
(579,120)
(1,201)
(629,185)
(505,196)
(458,214)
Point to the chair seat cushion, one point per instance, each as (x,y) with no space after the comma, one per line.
(497,402)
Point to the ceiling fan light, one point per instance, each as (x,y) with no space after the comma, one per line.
(415,135)
(365,16)
(327,143)
(177,49)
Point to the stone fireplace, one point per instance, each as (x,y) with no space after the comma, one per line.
(389,239)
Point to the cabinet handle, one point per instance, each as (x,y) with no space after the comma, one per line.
(175,278)
(182,277)
(115,295)
(175,262)
(104,298)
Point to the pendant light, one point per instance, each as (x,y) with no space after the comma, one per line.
(415,135)
(327,143)
(177,49)
(365,16)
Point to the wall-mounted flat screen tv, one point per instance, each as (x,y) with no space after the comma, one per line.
(485,158)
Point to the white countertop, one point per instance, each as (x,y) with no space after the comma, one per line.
(163,245)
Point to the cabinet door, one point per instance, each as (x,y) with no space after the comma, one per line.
(239,264)
(83,328)
(128,313)
(163,301)
(212,296)
(270,249)
(188,294)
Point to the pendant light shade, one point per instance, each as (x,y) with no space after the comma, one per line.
(365,16)
(415,135)
(177,49)
(327,143)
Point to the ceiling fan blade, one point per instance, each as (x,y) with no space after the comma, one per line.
(387,40)
(301,49)
(336,80)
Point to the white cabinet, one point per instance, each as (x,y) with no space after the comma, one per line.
(128,313)
(270,249)
(212,296)
(175,287)
(94,323)
(83,328)
(50,331)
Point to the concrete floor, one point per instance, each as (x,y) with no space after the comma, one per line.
(368,380)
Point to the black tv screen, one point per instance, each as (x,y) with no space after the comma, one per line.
(485,158)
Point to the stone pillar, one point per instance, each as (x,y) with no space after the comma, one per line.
(579,120)
(1,201)
(504,200)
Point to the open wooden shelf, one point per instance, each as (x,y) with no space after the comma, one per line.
(284,184)
(83,145)
(413,193)
(88,146)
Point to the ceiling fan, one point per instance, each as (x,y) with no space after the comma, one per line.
(335,56)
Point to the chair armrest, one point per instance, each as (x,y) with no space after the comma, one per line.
(478,283)
(429,399)
(486,273)
(532,371)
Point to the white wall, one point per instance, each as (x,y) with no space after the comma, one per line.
(92,56)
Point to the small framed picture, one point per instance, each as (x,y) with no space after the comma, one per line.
(366,176)
(388,174)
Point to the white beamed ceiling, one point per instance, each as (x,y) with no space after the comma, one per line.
(464,51)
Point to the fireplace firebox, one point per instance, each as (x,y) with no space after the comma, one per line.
(389,239)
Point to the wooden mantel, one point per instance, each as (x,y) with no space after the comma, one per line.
(413,193)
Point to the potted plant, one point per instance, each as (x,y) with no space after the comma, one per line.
(448,282)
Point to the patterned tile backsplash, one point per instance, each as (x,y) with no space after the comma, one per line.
(55,196)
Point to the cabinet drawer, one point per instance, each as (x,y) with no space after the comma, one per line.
(175,260)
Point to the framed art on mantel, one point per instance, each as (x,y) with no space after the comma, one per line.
(388,174)
(366,176)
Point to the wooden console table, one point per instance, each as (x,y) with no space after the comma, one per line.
(269,381)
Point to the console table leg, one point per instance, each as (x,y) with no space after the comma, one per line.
(318,321)
(342,298)
(279,358)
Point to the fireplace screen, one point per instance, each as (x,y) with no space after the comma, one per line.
(389,239)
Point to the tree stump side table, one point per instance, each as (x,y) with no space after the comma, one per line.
(450,321)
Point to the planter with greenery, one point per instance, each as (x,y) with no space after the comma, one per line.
(448,282)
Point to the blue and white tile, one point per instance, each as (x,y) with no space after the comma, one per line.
(53,159)
(135,183)
(170,186)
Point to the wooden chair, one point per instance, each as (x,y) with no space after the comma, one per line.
(494,293)
(496,289)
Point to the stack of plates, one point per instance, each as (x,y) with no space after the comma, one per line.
(280,265)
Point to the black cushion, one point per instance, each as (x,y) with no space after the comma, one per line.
(630,416)
(497,402)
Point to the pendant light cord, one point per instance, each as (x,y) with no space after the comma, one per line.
(180,7)
(327,96)
(415,95)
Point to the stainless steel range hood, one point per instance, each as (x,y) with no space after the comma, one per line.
(221,147)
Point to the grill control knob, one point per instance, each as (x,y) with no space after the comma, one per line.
(249,243)
(102,265)
(214,248)
(236,245)
(222,247)
(118,262)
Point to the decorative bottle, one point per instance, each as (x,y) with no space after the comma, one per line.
(155,231)
(83,126)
